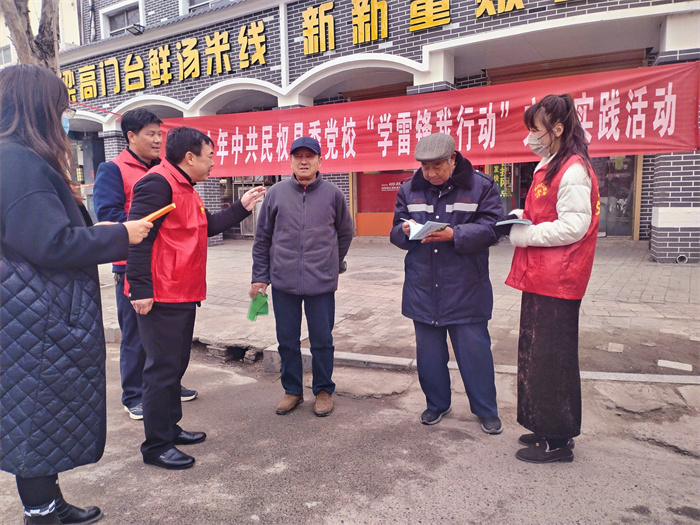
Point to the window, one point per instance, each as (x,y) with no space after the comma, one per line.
(198,5)
(5,55)
(119,21)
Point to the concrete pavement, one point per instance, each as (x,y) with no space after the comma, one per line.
(371,461)
(636,312)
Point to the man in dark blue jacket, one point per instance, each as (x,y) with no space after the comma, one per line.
(304,231)
(112,194)
(447,287)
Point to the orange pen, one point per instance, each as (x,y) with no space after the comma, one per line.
(157,214)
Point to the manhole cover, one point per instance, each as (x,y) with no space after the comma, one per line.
(374,276)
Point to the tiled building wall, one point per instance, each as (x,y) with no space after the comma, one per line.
(158,11)
(647,201)
(676,185)
(342,180)
(463,22)
(183,90)
(210,192)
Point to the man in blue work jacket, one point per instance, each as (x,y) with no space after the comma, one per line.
(447,287)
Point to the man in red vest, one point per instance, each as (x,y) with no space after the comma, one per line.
(112,195)
(166,281)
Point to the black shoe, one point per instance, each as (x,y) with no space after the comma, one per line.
(540,453)
(186,394)
(46,519)
(68,513)
(491,425)
(430,417)
(172,459)
(531,440)
(189,438)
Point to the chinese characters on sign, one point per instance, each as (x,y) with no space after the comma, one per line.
(487,7)
(644,110)
(92,80)
(183,59)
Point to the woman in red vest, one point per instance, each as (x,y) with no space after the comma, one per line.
(552,265)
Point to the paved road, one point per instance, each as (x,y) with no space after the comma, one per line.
(372,462)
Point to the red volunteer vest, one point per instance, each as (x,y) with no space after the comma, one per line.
(132,170)
(179,257)
(556,271)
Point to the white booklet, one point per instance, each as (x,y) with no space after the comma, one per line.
(421,231)
(526,222)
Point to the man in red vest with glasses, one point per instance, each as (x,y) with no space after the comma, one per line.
(166,281)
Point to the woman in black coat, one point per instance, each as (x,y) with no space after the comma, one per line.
(52,365)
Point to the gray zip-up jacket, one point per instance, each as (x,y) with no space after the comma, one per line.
(302,237)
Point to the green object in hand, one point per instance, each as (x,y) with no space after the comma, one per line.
(258,306)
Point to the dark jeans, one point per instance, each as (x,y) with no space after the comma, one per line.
(131,353)
(166,332)
(320,313)
(472,347)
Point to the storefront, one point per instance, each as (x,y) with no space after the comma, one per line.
(370,78)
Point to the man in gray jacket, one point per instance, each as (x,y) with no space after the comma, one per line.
(303,234)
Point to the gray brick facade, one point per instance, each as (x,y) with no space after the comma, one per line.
(187,89)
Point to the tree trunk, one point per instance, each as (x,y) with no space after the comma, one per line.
(42,50)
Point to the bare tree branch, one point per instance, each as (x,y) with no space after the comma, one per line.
(42,50)
(47,38)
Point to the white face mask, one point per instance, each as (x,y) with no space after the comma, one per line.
(536,145)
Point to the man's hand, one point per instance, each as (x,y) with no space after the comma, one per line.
(142,306)
(252,197)
(444,235)
(406,228)
(257,287)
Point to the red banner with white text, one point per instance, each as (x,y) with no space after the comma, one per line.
(629,112)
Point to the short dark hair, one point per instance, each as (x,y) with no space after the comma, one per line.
(183,139)
(137,119)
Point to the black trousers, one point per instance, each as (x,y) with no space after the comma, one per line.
(166,333)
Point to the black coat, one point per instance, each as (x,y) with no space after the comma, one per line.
(52,366)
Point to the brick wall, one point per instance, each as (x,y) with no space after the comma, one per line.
(676,185)
(210,192)
(342,180)
(189,88)
(463,22)
(114,143)
(647,201)
(470,82)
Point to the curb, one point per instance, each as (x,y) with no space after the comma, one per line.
(272,363)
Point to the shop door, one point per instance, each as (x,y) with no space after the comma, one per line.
(376,197)
(616,186)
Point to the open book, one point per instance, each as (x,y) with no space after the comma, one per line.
(526,222)
(420,231)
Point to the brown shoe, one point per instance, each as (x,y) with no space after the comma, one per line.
(288,403)
(324,404)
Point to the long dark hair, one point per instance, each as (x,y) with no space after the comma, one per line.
(32,101)
(553,109)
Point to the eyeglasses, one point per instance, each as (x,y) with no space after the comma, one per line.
(69,113)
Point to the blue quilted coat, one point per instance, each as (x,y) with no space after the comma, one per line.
(52,365)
